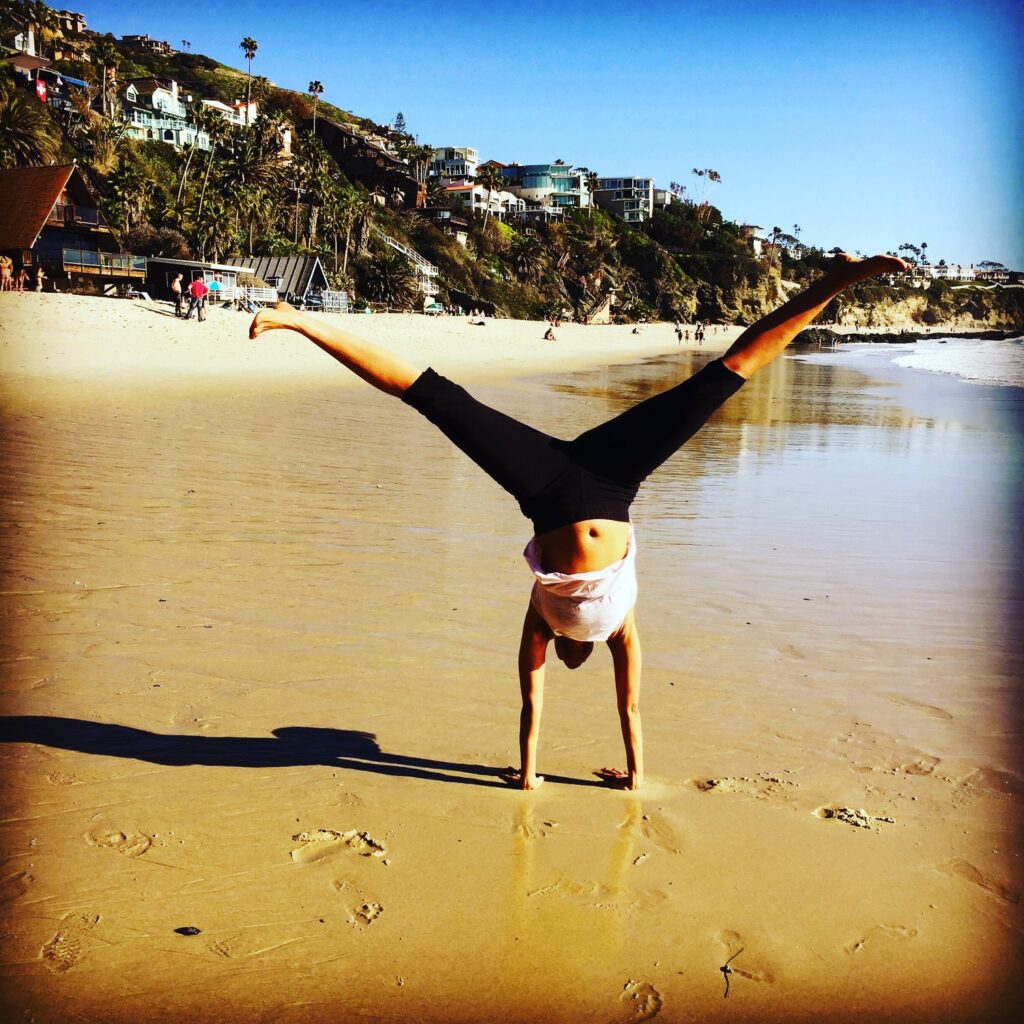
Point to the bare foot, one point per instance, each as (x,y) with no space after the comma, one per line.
(851,269)
(270,317)
(514,777)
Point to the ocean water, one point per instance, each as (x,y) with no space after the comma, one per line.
(990,362)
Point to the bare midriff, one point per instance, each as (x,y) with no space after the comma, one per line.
(587,546)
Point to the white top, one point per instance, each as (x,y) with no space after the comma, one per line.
(584,605)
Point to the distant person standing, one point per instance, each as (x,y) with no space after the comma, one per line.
(40,277)
(19,281)
(176,292)
(197,291)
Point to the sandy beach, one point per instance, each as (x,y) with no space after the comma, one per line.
(259,637)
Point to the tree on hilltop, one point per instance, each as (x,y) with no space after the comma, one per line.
(704,175)
(400,123)
(249,46)
(593,184)
(316,90)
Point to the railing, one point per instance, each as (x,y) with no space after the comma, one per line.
(264,296)
(89,262)
(423,266)
(335,302)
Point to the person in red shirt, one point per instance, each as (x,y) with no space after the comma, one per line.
(197,297)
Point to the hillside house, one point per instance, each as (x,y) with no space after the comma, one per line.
(50,218)
(453,163)
(144,42)
(367,161)
(631,199)
(155,111)
(70,22)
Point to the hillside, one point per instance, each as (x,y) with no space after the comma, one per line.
(242,197)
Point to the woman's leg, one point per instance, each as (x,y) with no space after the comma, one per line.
(376,365)
(631,446)
(518,457)
(759,344)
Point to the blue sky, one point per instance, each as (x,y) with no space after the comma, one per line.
(869,123)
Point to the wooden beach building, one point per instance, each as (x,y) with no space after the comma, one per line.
(49,217)
(162,270)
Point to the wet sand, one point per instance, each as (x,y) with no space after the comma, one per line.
(260,681)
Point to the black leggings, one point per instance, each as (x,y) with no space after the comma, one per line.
(597,475)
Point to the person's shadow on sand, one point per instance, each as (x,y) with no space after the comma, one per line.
(290,747)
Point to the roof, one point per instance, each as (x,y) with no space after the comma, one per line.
(202,265)
(27,195)
(298,274)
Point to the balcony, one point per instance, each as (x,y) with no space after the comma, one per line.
(67,215)
(106,264)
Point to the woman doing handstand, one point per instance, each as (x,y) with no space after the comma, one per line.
(578,493)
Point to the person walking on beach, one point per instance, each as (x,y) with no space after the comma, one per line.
(176,292)
(197,295)
(578,493)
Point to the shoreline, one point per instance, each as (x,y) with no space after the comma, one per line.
(115,342)
(61,337)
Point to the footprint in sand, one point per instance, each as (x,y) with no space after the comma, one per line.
(643,1001)
(130,844)
(15,885)
(65,949)
(854,817)
(926,709)
(322,843)
(896,932)
(964,869)
(763,786)
(923,764)
(362,912)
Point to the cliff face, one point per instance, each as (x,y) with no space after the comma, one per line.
(968,308)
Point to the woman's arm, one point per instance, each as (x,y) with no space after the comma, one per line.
(625,648)
(532,654)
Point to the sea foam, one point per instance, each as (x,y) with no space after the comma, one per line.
(992,361)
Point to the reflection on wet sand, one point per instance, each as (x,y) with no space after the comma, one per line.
(554,898)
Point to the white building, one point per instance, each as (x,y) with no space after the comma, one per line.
(454,162)
(238,113)
(469,196)
(156,112)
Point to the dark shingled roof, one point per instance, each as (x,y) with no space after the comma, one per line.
(27,195)
(298,273)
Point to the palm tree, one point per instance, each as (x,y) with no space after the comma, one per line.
(107,57)
(130,190)
(27,133)
(316,90)
(217,131)
(491,179)
(527,256)
(388,277)
(201,116)
(593,184)
(249,46)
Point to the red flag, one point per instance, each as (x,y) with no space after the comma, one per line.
(41,90)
